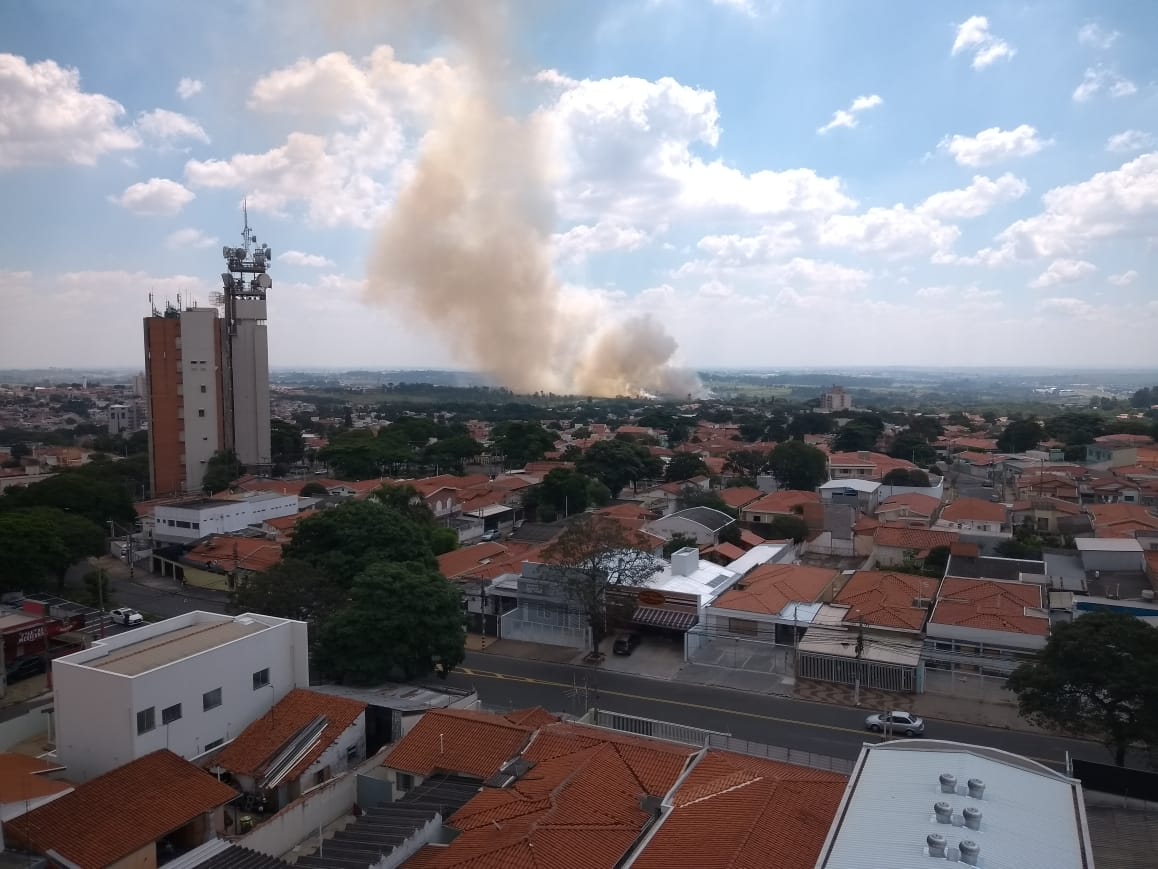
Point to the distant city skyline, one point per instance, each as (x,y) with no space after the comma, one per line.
(779,185)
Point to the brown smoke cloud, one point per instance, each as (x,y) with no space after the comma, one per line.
(467,244)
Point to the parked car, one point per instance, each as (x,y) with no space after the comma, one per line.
(22,668)
(896,723)
(491,535)
(625,643)
(126,616)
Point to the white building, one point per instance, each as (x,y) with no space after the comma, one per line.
(189,684)
(120,419)
(835,399)
(221,514)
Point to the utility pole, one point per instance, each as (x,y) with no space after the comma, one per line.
(859,653)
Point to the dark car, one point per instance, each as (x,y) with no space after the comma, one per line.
(23,668)
(625,643)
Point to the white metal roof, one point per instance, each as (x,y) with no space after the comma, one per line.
(708,582)
(1031,816)
(759,554)
(1108,544)
(858,485)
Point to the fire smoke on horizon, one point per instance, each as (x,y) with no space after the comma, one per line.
(467,244)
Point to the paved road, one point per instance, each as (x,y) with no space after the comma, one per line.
(153,595)
(835,731)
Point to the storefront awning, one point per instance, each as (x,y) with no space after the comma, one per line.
(658,617)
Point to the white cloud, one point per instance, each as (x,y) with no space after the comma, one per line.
(932,292)
(157,197)
(813,277)
(848,117)
(1129,141)
(48,119)
(189,238)
(771,242)
(894,232)
(1063,271)
(1098,79)
(1123,279)
(747,7)
(1093,35)
(307,260)
(168,126)
(973,36)
(994,145)
(1120,202)
(1068,306)
(580,242)
(975,200)
(188,88)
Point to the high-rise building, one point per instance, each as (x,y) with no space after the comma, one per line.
(207,376)
(835,399)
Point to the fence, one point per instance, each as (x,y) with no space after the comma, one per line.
(737,653)
(524,623)
(697,736)
(846,671)
(968,686)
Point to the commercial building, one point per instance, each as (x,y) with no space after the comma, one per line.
(189,684)
(122,418)
(224,514)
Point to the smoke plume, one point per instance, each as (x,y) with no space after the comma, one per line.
(467,244)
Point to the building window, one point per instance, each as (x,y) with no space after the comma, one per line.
(146,720)
(217,743)
(404,780)
(171,714)
(261,678)
(743,626)
(202,388)
(201,413)
(352,754)
(211,699)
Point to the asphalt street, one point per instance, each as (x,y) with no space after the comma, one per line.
(836,731)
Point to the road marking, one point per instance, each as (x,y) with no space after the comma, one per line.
(490,674)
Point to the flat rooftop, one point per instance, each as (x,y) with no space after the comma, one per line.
(154,652)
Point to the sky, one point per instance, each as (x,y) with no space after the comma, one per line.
(776,182)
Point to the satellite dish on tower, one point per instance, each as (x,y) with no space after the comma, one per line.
(264,281)
(226,252)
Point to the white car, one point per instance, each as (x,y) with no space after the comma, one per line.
(126,616)
(896,723)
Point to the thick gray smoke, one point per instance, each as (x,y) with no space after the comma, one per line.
(467,244)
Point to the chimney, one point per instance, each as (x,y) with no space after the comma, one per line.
(972,816)
(976,788)
(944,812)
(936,843)
(948,783)
(685,562)
(970,852)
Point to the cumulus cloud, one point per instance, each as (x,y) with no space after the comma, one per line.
(1093,35)
(48,119)
(307,260)
(157,197)
(980,197)
(167,126)
(1129,141)
(1123,279)
(582,241)
(189,238)
(849,117)
(1063,271)
(973,37)
(1068,306)
(895,232)
(1100,79)
(187,88)
(994,145)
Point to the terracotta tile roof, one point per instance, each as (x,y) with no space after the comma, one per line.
(965,550)
(885,600)
(258,744)
(467,559)
(226,553)
(535,716)
(1124,440)
(770,587)
(459,741)
(880,463)
(737,812)
(1106,514)
(122,811)
(977,459)
(429,485)
(23,778)
(750,538)
(991,605)
(578,806)
(285,523)
(727,551)
(974,510)
(920,539)
(738,496)
(1055,505)
(782,502)
(921,505)
(865,525)
(981,445)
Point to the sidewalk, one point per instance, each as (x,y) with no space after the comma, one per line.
(118,572)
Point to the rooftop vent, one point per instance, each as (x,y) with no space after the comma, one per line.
(976,788)
(972,816)
(948,783)
(936,843)
(970,852)
(944,812)
(650,804)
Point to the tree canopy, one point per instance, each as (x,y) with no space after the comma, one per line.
(291,589)
(797,465)
(401,621)
(860,433)
(749,463)
(221,471)
(94,495)
(809,423)
(912,447)
(285,442)
(1097,677)
(1020,435)
(566,491)
(520,442)
(684,466)
(616,463)
(913,477)
(783,527)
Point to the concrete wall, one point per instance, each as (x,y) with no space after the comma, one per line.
(200,391)
(251,386)
(33,721)
(143,858)
(334,757)
(669,526)
(937,491)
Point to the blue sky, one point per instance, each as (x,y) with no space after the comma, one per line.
(776,183)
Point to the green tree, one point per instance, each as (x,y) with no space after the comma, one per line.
(1097,677)
(594,555)
(912,447)
(402,621)
(31,552)
(357,454)
(1144,397)
(684,466)
(291,589)
(796,465)
(285,442)
(1020,435)
(1075,428)
(749,463)
(221,471)
(859,433)
(616,463)
(564,490)
(346,540)
(520,442)
(313,489)
(809,423)
(96,590)
(783,527)
(678,542)
(79,537)
(452,451)
(913,477)
(81,494)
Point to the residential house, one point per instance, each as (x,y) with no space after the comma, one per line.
(304,740)
(739,497)
(1044,514)
(772,604)
(787,502)
(1121,520)
(1049,484)
(218,561)
(26,783)
(864,466)
(187,683)
(1111,454)
(975,516)
(722,553)
(137,815)
(862,495)
(702,524)
(913,511)
(893,545)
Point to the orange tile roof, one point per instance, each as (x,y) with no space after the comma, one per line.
(429,485)
(980,445)
(727,551)
(1106,514)
(227,553)
(1046,503)
(122,811)
(23,778)
(782,502)
(990,605)
(459,741)
(920,539)
(750,538)
(737,812)
(259,743)
(771,587)
(974,510)
(464,561)
(535,716)
(922,505)
(881,463)
(738,496)
(885,600)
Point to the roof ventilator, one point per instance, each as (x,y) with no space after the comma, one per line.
(948,783)
(944,812)
(972,817)
(936,843)
(970,852)
(976,788)
(651,804)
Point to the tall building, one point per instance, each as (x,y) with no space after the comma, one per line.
(835,399)
(207,376)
